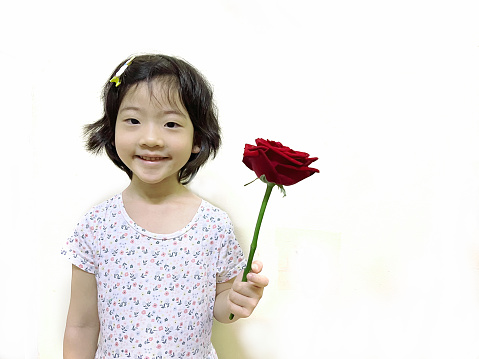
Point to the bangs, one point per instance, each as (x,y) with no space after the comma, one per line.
(165,90)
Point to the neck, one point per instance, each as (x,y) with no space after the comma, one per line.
(155,193)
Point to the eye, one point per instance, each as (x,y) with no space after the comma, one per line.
(172,124)
(132,121)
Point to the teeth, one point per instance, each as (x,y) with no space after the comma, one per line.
(151,158)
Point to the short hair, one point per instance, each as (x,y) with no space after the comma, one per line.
(195,94)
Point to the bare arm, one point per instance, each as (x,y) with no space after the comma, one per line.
(83,326)
(239,298)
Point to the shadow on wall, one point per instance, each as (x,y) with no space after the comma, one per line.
(225,340)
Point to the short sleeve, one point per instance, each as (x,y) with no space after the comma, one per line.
(230,258)
(81,248)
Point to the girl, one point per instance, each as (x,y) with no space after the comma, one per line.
(153,265)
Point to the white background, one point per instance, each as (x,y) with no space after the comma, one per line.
(376,257)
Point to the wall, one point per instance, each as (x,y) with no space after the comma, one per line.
(375,257)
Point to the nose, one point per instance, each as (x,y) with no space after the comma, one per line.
(151,136)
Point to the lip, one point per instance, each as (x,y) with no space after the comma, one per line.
(150,158)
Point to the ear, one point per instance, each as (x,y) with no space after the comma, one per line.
(195,149)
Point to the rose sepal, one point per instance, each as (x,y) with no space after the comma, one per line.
(264,180)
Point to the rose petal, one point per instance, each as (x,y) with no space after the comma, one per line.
(290,175)
(280,164)
(262,166)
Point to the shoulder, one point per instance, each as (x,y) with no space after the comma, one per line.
(210,209)
(107,208)
(110,203)
(215,218)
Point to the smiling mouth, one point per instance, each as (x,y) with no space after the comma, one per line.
(152,159)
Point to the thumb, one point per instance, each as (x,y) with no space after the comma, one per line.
(257,267)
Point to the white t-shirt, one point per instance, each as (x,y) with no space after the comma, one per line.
(156,292)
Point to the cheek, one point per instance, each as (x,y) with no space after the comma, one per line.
(122,144)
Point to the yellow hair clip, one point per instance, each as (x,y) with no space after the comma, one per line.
(116,78)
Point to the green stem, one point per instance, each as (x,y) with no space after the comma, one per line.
(254,242)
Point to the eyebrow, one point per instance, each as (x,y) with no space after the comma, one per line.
(165,112)
(130,108)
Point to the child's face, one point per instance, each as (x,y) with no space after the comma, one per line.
(153,135)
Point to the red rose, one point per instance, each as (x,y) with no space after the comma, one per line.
(280,164)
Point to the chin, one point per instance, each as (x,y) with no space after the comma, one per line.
(155,180)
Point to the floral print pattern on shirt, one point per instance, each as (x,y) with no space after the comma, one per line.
(156,292)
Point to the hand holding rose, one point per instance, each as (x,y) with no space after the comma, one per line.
(244,296)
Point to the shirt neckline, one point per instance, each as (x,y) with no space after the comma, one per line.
(191,225)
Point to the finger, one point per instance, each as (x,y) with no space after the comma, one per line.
(240,311)
(257,266)
(258,280)
(242,305)
(245,298)
(249,289)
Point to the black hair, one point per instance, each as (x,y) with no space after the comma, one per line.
(195,94)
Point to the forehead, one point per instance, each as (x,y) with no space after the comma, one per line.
(160,92)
